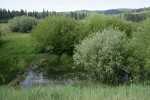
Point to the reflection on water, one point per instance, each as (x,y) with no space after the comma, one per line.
(34,78)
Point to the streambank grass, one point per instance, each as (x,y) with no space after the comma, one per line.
(17,44)
(17,50)
(80,92)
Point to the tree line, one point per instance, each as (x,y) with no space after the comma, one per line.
(135,17)
(7,14)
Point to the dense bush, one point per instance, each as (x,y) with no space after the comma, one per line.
(141,52)
(22,24)
(111,58)
(103,55)
(58,34)
(99,22)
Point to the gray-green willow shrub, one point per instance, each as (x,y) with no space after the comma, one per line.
(103,55)
(22,23)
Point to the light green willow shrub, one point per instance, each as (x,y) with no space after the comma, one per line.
(22,23)
(99,22)
(103,55)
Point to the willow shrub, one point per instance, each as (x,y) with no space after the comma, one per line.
(103,55)
(99,22)
(141,52)
(58,34)
(22,23)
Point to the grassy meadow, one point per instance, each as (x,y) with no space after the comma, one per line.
(16,51)
(77,92)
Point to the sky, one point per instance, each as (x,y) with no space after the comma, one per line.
(72,5)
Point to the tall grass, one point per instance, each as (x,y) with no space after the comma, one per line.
(77,92)
(16,51)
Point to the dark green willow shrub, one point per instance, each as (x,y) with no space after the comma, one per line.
(22,23)
(58,34)
(140,51)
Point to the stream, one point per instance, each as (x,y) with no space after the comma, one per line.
(34,78)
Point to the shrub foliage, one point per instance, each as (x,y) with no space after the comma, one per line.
(141,52)
(22,23)
(99,22)
(57,34)
(103,55)
(103,47)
